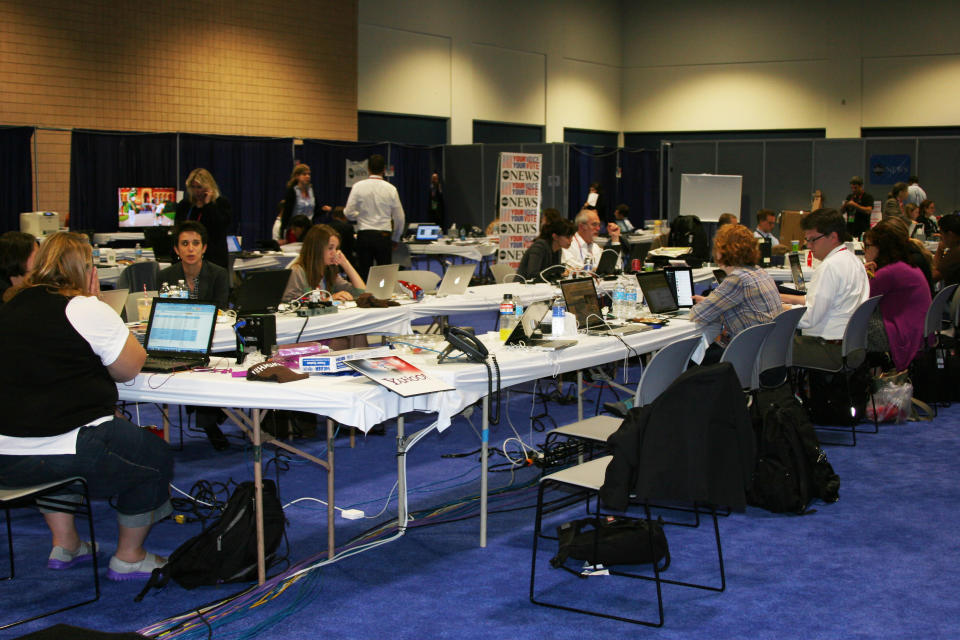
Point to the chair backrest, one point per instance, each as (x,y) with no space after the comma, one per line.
(139,276)
(426,280)
(665,367)
(743,353)
(500,271)
(933,321)
(855,335)
(777,350)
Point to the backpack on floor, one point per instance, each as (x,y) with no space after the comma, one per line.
(617,540)
(792,470)
(227,550)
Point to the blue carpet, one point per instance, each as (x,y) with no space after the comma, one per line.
(880,563)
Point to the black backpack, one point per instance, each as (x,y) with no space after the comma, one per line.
(792,470)
(227,550)
(617,540)
(688,231)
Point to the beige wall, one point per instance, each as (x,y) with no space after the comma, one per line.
(205,66)
(554,63)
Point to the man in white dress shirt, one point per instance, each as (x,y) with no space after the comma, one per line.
(915,193)
(374,204)
(583,247)
(766,221)
(839,285)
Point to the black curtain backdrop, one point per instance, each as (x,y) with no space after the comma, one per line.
(639,184)
(412,168)
(103,161)
(252,174)
(16,182)
(327,160)
(589,165)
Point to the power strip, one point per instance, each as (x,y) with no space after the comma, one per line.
(320,310)
(560,454)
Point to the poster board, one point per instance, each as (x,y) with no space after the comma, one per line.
(520,192)
(707,195)
(790,227)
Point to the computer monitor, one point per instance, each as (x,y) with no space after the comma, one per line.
(140,207)
(681,279)
(657,292)
(428,232)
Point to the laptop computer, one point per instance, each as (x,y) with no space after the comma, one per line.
(796,272)
(638,251)
(580,295)
(456,280)
(261,291)
(179,334)
(523,334)
(608,264)
(657,293)
(116,298)
(681,279)
(426,233)
(382,280)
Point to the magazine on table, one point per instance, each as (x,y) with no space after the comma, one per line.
(398,375)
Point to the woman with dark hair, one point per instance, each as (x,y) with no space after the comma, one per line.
(906,296)
(546,250)
(319,265)
(59,401)
(17,251)
(746,297)
(893,205)
(946,261)
(204,280)
(926,219)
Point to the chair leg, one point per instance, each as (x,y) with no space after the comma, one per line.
(9,544)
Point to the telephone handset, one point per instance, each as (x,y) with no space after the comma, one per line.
(465,342)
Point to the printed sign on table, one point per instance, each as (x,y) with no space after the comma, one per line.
(520,190)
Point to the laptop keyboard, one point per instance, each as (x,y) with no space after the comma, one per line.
(167,364)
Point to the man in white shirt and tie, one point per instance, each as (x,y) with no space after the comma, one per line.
(374,204)
(583,248)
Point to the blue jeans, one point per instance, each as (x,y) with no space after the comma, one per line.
(116,458)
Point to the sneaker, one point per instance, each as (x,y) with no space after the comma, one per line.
(120,570)
(60,558)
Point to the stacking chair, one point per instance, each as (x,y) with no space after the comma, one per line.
(933,324)
(500,271)
(665,367)
(426,280)
(28,497)
(139,276)
(777,350)
(743,353)
(853,351)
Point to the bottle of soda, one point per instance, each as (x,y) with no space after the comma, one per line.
(508,317)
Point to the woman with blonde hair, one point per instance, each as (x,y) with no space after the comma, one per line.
(203,203)
(59,418)
(746,297)
(299,200)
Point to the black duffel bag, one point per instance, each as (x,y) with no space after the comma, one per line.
(618,540)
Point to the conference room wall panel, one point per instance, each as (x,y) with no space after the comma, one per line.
(744,159)
(834,163)
(693,157)
(508,85)
(788,173)
(938,167)
(914,91)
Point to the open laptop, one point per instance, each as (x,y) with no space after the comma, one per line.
(382,280)
(179,334)
(456,280)
(638,251)
(523,333)
(681,279)
(796,271)
(116,298)
(608,264)
(426,233)
(261,291)
(658,295)
(234,248)
(580,295)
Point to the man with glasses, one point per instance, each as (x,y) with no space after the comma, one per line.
(583,249)
(839,285)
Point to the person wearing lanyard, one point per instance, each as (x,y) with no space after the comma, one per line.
(582,248)
(204,204)
(374,204)
(839,285)
(300,200)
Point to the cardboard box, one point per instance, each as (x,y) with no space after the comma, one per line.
(790,226)
(334,361)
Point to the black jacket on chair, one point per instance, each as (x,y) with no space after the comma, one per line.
(693,443)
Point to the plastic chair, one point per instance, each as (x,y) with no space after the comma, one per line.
(743,353)
(139,276)
(500,271)
(933,322)
(853,352)
(777,350)
(426,280)
(665,367)
(11,498)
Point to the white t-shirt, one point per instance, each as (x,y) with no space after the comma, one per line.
(774,241)
(839,285)
(106,334)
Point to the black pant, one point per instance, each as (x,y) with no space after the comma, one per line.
(373,247)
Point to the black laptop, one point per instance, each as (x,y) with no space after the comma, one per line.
(261,291)
(658,295)
(179,334)
(609,260)
(796,271)
(580,295)
(524,334)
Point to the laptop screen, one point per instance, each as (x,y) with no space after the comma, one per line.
(181,326)
(529,322)
(797,272)
(580,294)
(428,232)
(657,292)
(233,244)
(681,279)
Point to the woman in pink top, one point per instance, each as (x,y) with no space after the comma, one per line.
(906,296)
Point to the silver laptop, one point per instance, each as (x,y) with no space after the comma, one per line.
(116,298)
(382,280)
(523,333)
(456,280)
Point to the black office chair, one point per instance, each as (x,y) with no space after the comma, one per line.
(11,498)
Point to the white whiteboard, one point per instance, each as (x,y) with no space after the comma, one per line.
(707,196)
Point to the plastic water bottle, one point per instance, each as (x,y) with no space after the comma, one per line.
(96,254)
(587,265)
(557,326)
(630,303)
(164,290)
(184,292)
(921,234)
(138,253)
(619,297)
(452,231)
(170,291)
(508,316)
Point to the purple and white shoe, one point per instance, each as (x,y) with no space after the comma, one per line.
(60,558)
(120,570)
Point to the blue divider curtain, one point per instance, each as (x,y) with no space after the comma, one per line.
(413,166)
(589,165)
(637,187)
(251,172)
(16,183)
(103,161)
